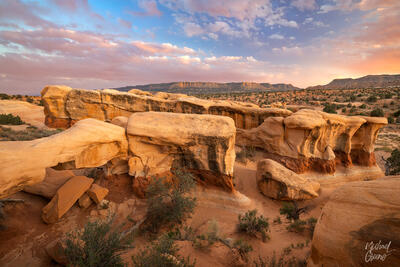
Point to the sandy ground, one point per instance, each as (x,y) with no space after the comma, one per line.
(26,235)
(30,113)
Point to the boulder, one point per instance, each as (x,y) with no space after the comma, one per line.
(359,226)
(65,198)
(120,121)
(89,143)
(97,193)
(52,182)
(276,181)
(202,144)
(85,201)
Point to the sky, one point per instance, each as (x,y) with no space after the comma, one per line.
(105,44)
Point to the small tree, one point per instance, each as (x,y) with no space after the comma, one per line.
(253,225)
(330,108)
(97,245)
(168,202)
(392,163)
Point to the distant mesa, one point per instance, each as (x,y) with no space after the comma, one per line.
(210,87)
(369,81)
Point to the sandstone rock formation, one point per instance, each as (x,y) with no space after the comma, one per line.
(52,182)
(357,214)
(63,106)
(97,193)
(202,144)
(315,140)
(85,201)
(89,143)
(278,182)
(65,198)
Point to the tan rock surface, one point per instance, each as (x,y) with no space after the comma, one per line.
(203,144)
(65,198)
(276,181)
(52,182)
(29,113)
(107,104)
(97,193)
(89,143)
(85,201)
(357,214)
(315,140)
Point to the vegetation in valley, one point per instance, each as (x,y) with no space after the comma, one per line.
(253,225)
(30,133)
(10,119)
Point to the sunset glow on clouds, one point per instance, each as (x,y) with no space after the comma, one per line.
(100,44)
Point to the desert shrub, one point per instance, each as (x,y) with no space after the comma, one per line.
(10,119)
(372,99)
(243,248)
(377,113)
(210,237)
(97,245)
(330,108)
(162,253)
(30,100)
(278,220)
(352,98)
(245,153)
(292,210)
(363,106)
(4,96)
(391,119)
(188,233)
(311,222)
(168,203)
(344,110)
(30,133)
(252,224)
(297,226)
(392,163)
(388,96)
(396,114)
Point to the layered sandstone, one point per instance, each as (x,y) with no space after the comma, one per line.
(358,217)
(202,144)
(278,182)
(63,106)
(89,143)
(315,140)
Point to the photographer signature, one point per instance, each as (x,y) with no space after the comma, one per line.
(377,251)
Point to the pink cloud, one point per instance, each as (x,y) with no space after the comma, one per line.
(150,8)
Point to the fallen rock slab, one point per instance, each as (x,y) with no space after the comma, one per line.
(89,143)
(359,226)
(52,182)
(65,198)
(85,201)
(97,193)
(276,181)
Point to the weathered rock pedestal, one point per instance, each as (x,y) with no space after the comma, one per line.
(200,144)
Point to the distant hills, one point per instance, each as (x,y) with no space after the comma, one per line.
(369,81)
(210,87)
(191,88)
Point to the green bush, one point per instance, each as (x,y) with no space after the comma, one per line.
(392,163)
(363,106)
(292,210)
(168,203)
(330,108)
(377,113)
(162,253)
(10,119)
(243,248)
(97,245)
(297,226)
(391,120)
(4,96)
(253,225)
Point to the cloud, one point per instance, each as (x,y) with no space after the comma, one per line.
(125,23)
(149,8)
(192,29)
(276,36)
(303,5)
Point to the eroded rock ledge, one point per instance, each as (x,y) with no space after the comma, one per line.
(63,106)
(315,140)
